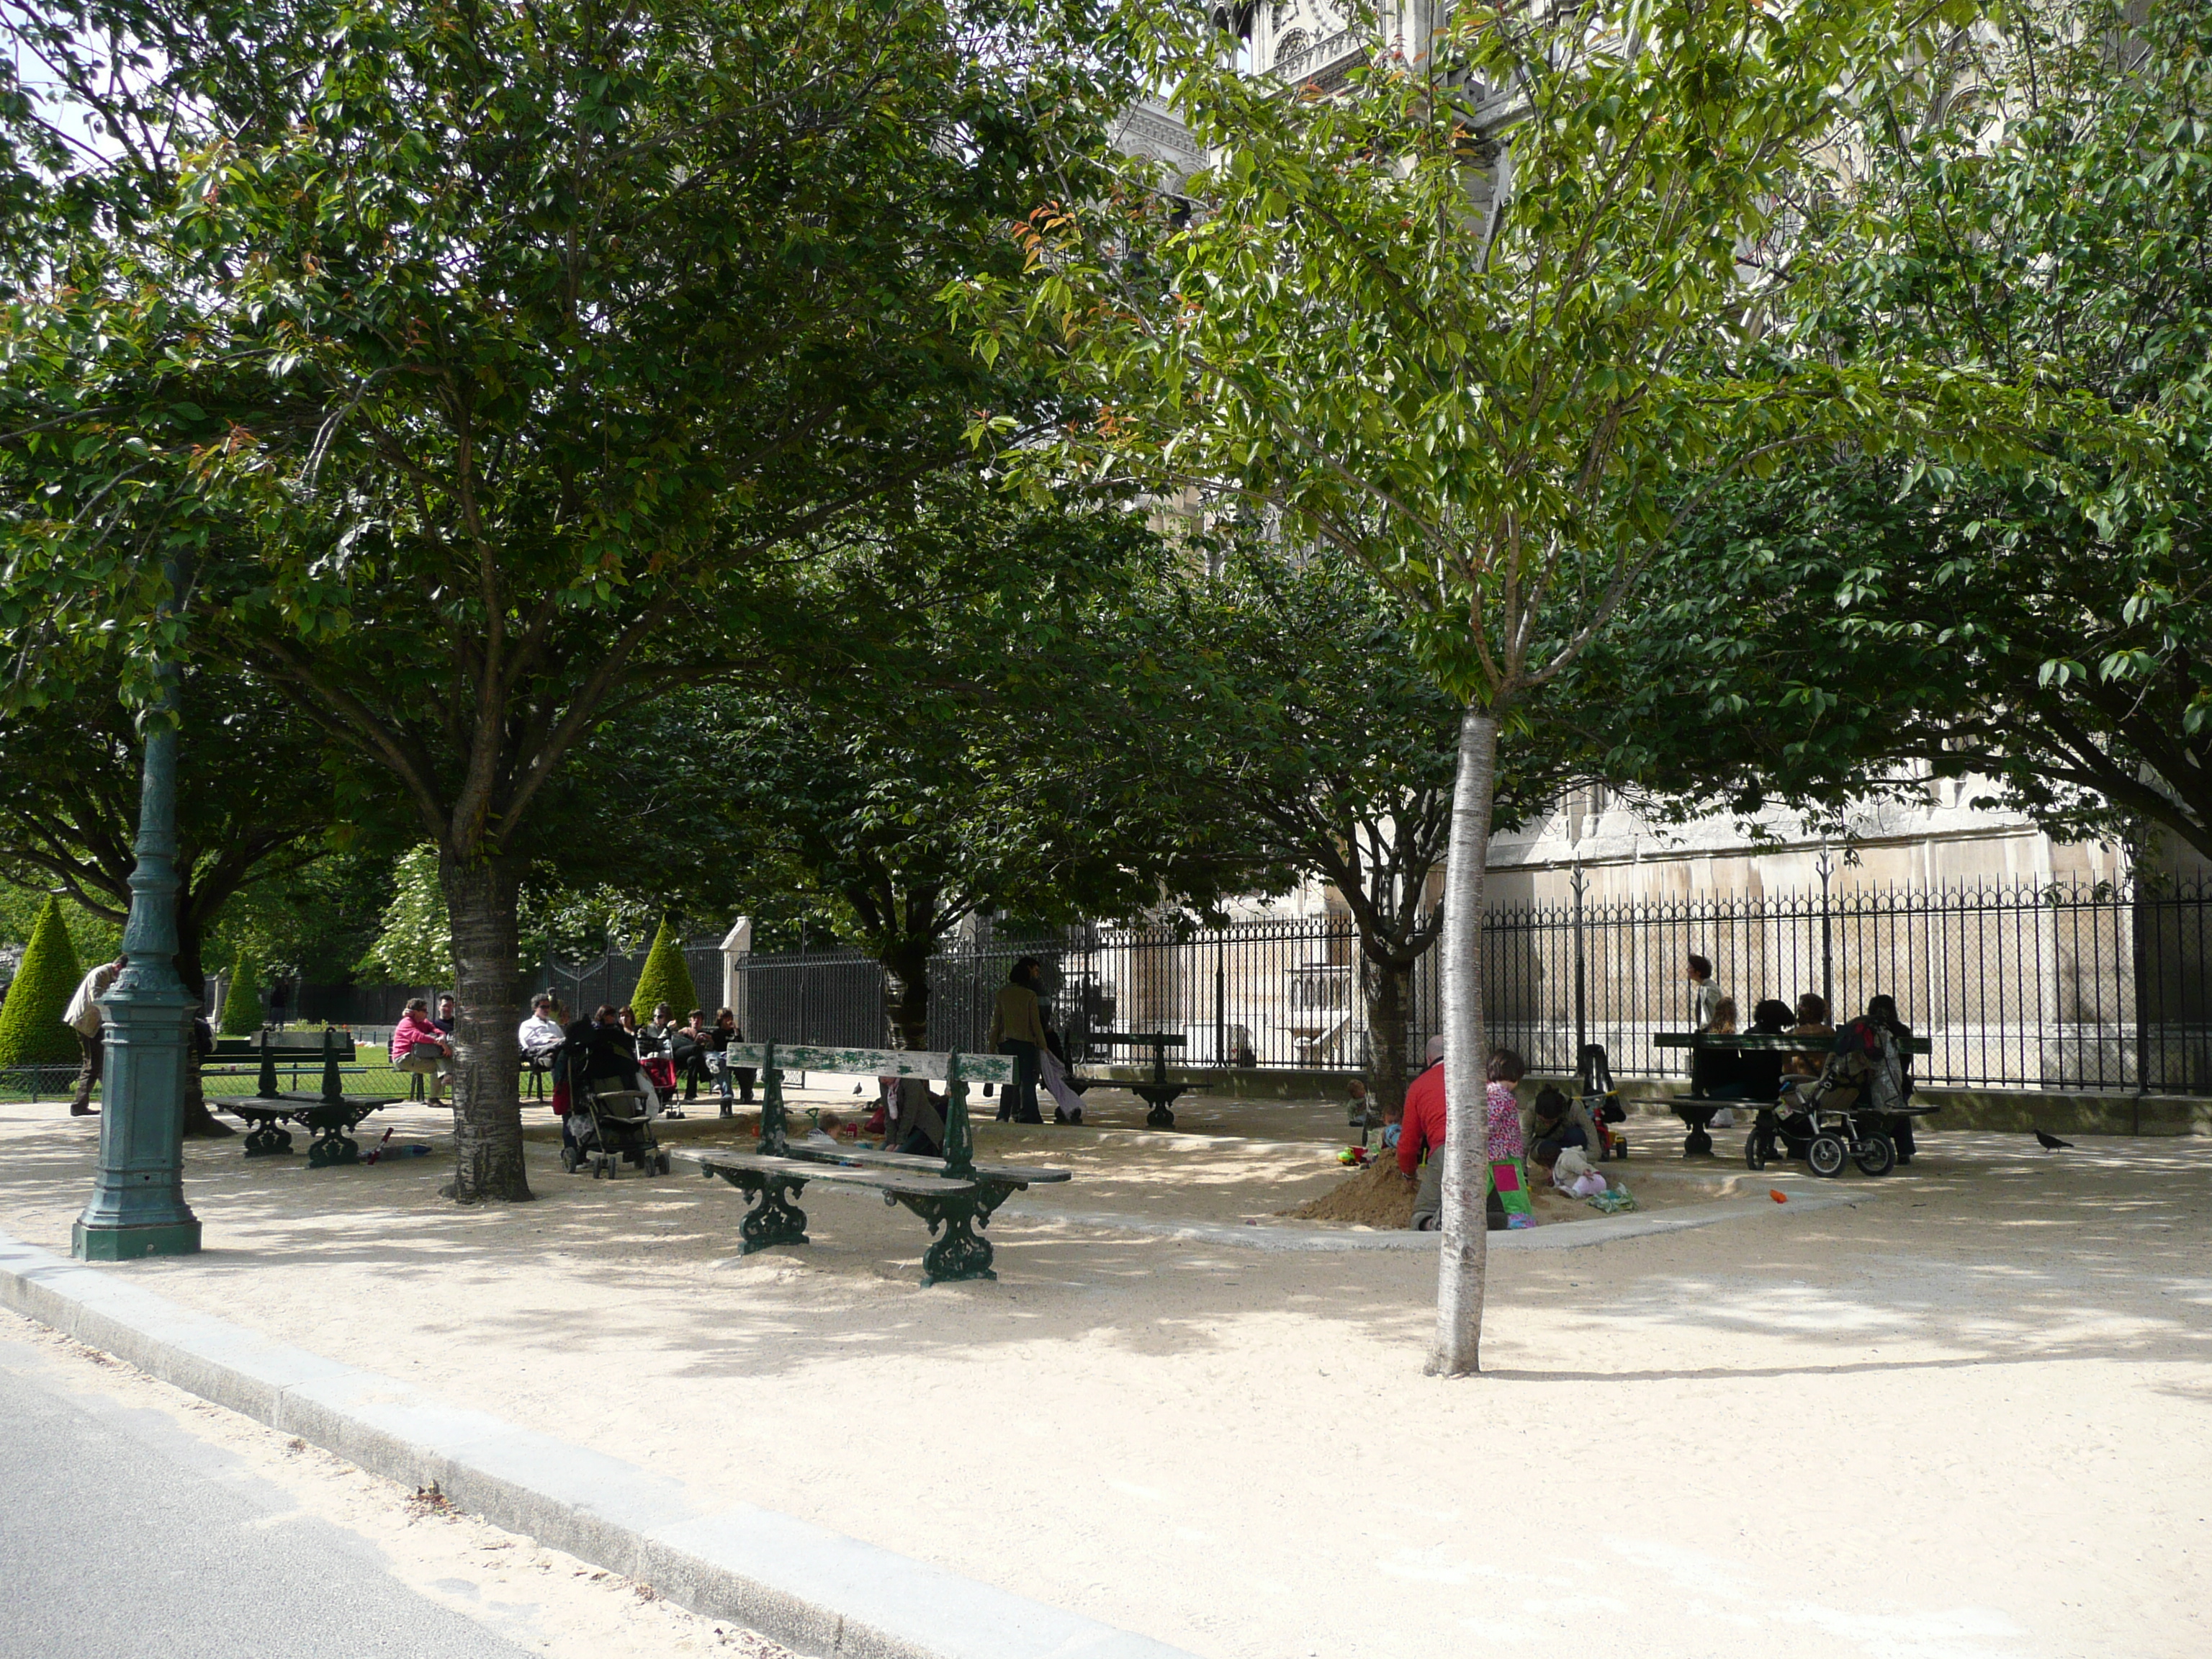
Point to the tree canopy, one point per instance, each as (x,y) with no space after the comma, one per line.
(989,719)
(1485,321)
(474,368)
(2038,621)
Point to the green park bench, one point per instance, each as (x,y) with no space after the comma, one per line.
(332,1113)
(240,1056)
(1159,1093)
(953,1193)
(1696,1109)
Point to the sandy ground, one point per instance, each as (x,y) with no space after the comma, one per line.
(1965,1415)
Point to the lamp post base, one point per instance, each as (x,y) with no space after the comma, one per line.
(128,1243)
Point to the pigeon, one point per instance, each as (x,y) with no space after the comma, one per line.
(2051,1143)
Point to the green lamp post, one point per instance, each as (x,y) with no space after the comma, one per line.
(137,1207)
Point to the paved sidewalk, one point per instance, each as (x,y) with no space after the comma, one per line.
(138,1543)
(1967,1418)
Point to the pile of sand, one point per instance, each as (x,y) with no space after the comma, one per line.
(1376,1196)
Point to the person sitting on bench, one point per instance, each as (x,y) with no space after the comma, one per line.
(417,1045)
(540,1036)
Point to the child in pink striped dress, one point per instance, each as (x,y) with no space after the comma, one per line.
(1506,1068)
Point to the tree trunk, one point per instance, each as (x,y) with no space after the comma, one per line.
(481,896)
(1467,1132)
(905,994)
(1389,991)
(199,1123)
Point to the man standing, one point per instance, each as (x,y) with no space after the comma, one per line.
(83,1016)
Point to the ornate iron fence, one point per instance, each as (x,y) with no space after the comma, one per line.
(2095,986)
(612,977)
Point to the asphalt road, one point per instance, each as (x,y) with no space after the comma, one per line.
(121,1533)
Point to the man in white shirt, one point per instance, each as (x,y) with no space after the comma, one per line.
(83,1016)
(541,1034)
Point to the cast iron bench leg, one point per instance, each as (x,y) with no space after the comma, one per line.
(963,1253)
(266,1139)
(1162,1098)
(332,1144)
(771,1218)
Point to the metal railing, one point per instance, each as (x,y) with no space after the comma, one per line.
(2095,986)
(612,978)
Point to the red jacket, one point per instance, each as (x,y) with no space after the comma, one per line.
(1423,1128)
(411,1030)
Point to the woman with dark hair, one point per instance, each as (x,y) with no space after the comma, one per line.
(1018,1029)
(1758,1071)
(656,1053)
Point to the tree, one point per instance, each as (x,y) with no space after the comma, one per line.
(2040,623)
(241,1000)
(414,943)
(1335,755)
(31,1028)
(667,977)
(480,361)
(993,722)
(254,803)
(1477,323)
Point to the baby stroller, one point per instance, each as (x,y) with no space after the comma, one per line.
(609,1127)
(1824,1120)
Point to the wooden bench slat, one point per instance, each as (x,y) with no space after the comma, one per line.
(808,1169)
(247,1049)
(925,1164)
(873,1062)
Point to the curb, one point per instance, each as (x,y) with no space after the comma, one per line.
(800,1584)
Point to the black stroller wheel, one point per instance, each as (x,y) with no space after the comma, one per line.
(1754,1154)
(661,1163)
(1876,1155)
(1826,1154)
(570,1160)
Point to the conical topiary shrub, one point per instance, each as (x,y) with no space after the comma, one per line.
(31,1028)
(667,978)
(241,1002)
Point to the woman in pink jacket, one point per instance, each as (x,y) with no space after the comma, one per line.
(419,1045)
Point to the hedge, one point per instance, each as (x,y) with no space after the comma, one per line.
(667,978)
(241,1002)
(31,1028)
